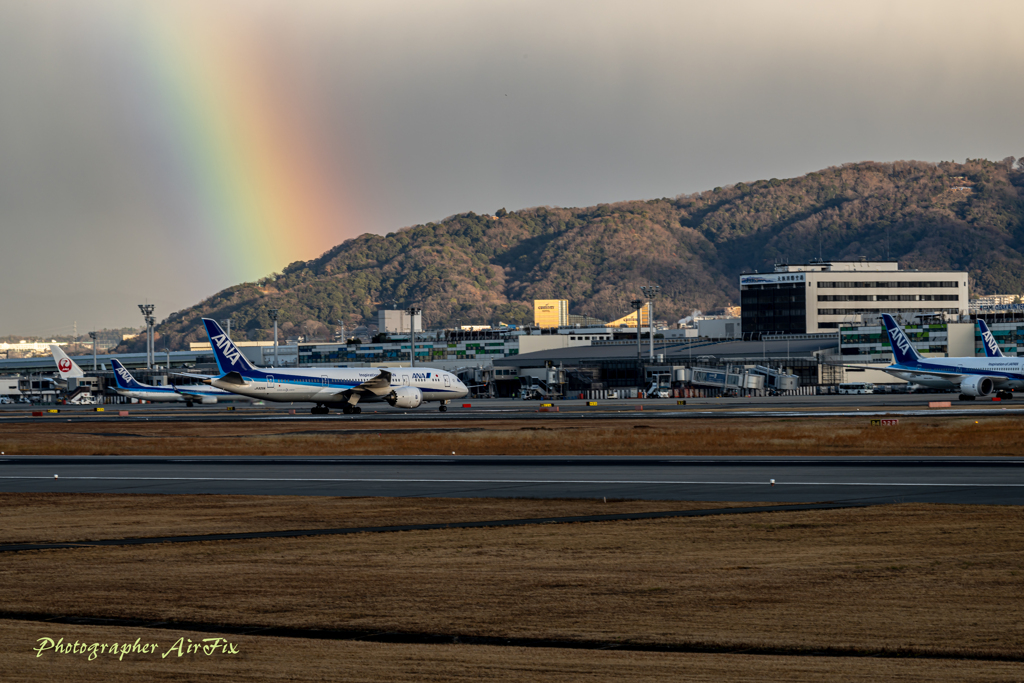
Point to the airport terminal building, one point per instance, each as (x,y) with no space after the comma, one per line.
(821,296)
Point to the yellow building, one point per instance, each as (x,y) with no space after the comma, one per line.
(550,312)
(630,320)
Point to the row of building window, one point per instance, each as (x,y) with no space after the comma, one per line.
(904,285)
(889,297)
(855,311)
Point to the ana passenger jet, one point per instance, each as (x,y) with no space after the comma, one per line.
(343,388)
(974,377)
(188,394)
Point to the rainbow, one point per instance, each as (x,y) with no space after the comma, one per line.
(236,159)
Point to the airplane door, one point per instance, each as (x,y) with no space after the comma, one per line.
(447,380)
(323,380)
(270,381)
(405,380)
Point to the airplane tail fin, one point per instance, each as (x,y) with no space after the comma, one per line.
(229,357)
(992,349)
(123,378)
(903,351)
(65,366)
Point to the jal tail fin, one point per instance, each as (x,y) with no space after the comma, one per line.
(65,366)
(992,349)
(123,378)
(903,351)
(229,357)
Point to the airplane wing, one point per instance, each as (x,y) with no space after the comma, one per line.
(185,391)
(193,376)
(376,386)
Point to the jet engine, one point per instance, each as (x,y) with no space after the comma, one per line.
(406,397)
(975,385)
(207,400)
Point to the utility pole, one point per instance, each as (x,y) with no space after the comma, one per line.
(147,314)
(651,291)
(413,312)
(92,335)
(273,316)
(638,304)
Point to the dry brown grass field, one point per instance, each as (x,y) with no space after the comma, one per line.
(936,435)
(55,517)
(277,659)
(919,579)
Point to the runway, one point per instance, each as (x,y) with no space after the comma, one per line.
(908,405)
(739,479)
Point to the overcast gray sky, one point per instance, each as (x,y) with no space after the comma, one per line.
(163,151)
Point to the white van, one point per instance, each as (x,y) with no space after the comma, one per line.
(857,388)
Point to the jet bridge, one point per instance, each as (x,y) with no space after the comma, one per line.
(726,379)
(776,379)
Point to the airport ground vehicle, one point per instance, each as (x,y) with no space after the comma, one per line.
(5,399)
(857,388)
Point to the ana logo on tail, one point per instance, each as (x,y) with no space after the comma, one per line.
(900,339)
(125,375)
(991,344)
(231,353)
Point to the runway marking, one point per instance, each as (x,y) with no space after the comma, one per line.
(540,481)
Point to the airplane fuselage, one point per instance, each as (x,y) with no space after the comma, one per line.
(1007,372)
(323,385)
(171,395)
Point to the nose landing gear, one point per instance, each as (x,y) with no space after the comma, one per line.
(443,407)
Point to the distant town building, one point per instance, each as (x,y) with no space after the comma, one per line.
(822,295)
(550,312)
(995,300)
(630,320)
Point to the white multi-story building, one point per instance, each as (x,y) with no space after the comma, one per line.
(398,322)
(822,295)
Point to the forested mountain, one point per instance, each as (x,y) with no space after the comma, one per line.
(489,269)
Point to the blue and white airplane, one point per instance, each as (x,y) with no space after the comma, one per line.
(343,388)
(188,394)
(974,377)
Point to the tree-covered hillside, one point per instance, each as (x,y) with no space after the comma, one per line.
(489,269)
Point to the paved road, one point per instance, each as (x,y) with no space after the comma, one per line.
(476,409)
(869,480)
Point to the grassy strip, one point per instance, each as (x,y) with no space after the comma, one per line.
(411,638)
(424,527)
(759,436)
(67,517)
(265,658)
(913,578)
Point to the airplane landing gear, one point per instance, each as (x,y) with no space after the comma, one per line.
(188,404)
(319,410)
(965,397)
(443,408)
(1004,395)
(351,409)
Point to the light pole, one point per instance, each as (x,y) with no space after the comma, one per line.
(168,352)
(638,304)
(413,312)
(228,323)
(147,313)
(273,316)
(92,335)
(651,291)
